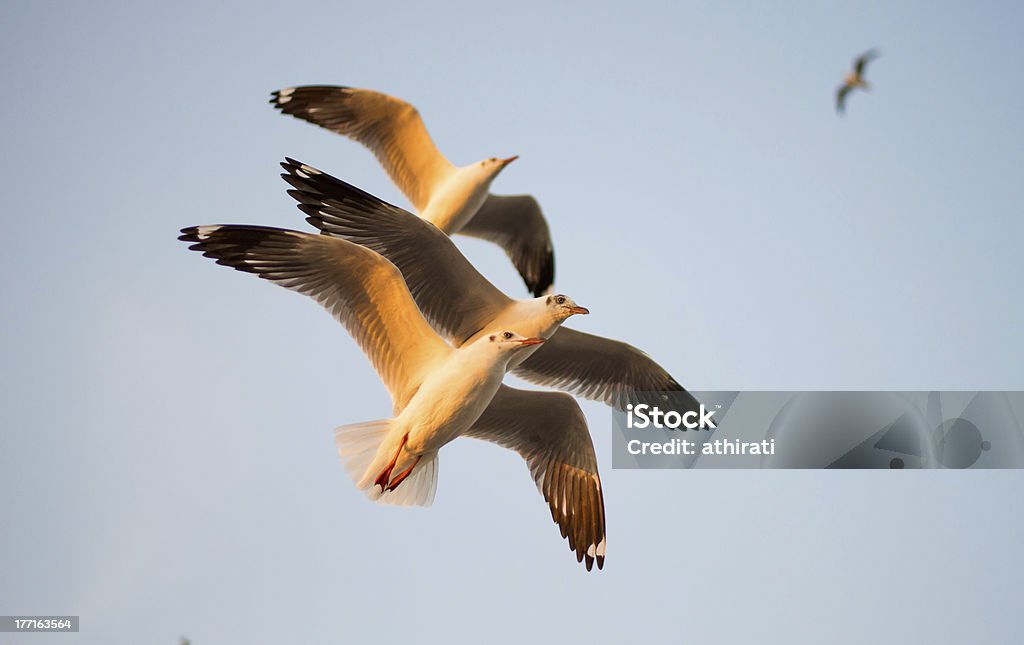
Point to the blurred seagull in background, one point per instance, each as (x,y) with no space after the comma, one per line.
(438,393)
(854,79)
(454,199)
(462,304)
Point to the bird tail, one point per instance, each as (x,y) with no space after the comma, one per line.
(366,448)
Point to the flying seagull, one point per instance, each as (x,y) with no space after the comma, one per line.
(462,304)
(854,79)
(438,393)
(454,199)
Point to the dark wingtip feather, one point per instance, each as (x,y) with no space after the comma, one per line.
(546,278)
(189,234)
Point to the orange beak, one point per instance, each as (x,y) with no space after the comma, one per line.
(506,161)
(579,310)
(530,341)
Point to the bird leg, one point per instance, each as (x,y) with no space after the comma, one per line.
(402,475)
(385,475)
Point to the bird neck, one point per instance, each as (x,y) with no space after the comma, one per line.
(458,201)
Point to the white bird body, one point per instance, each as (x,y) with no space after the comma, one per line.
(456,199)
(450,400)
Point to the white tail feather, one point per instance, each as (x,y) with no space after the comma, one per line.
(359,446)
(418,488)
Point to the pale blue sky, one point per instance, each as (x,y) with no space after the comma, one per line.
(166,460)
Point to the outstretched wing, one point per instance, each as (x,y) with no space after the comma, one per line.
(364,291)
(841,97)
(516,224)
(602,369)
(549,431)
(391,128)
(862,61)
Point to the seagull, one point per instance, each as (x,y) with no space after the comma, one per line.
(454,199)
(854,79)
(438,392)
(461,303)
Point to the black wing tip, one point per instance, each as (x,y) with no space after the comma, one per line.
(230,245)
(234,232)
(303,93)
(311,183)
(305,173)
(544,279)
(589,560)
(299,168)
(195,236)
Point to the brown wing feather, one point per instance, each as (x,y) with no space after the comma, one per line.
(391,128)
(361,289)
(549,431)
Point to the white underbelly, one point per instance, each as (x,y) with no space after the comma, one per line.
(444,410)
(453,207)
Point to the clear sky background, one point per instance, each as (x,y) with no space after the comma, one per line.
(166,456)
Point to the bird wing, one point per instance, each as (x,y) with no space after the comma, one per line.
(391,128)
(602,369)
(364,291)
(516,224)
(549,431)
(841,93)
(450,292)
(863,60)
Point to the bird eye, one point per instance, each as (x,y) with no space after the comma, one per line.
(560,300)
(507,335)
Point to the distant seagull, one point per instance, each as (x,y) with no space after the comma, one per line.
(454,199)
(462,303)
(438,393)
(854,79)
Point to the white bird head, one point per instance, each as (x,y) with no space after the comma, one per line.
(561,306)
(508,341)
(491,167)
